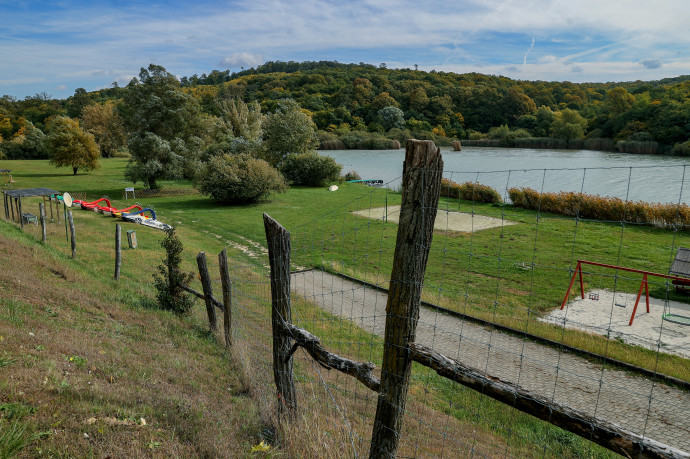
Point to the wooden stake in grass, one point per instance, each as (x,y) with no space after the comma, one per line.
(21,214)
(118,250)
(73,242)
(42,213)
(227,296)
(422,172)
(208,291)
(279,259)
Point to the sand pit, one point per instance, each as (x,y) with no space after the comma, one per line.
(445,220)
(610,316)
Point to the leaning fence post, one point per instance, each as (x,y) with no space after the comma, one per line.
(71,232)
(208,291)
(278,240)
(42,213)
(21,214)
(227,296)
(421,184)
(118,250)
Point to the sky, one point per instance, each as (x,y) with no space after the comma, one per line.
(57,46)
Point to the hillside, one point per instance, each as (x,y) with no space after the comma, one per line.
(89,369)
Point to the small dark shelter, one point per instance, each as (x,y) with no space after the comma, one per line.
(681,267)
(18,195)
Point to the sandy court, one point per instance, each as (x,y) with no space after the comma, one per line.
(445,220)
(610,315)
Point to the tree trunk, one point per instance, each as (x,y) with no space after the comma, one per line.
(74,170)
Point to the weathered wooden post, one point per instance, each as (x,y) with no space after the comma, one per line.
(12,207)
(278,240)
(21,214)
(422,172)
(227,296)
(118,250)
(42,213)
(4,205)
(73,242)
(208,291)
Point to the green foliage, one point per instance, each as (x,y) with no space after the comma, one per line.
(601,207)
(167,282)
(166,132)
(105,124)
(27,143)
(469,191)
(287,131)
(568,124)
(352,175)
(239,179)
(391,117)
(70,146)
(310,169)
(244,120)
(682,149)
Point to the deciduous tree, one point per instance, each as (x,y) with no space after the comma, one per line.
(105,124)
(287,131)
(70,146)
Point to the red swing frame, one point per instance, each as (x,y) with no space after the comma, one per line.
(644,284)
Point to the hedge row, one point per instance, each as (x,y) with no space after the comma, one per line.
(469,191)
(602,208)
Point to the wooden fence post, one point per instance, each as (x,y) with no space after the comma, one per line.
(421,184)
(278,240)
(42,213)
(118,250)
(12,207)
(4,203)
(208,291)
(21,214)
(227,296)
(73,242)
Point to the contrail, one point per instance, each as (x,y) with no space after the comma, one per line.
(524,60)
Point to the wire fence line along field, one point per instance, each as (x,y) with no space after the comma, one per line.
(471,389)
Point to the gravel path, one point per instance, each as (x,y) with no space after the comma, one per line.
(654,410)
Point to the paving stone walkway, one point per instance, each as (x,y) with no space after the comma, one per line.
(655,410)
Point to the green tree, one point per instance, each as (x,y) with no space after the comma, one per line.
(619,100)
(244,120)
(287,131)
(544,119)
(166,130)
(168,282)
(105,123)
(70,146)
(391,117)
(568,125)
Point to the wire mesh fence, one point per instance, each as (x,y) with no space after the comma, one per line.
(522,377)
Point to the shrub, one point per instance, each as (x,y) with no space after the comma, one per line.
(469,191)
(682,149)
(169,294)
(352,175)
(310,169)
(239,179)
(602,207)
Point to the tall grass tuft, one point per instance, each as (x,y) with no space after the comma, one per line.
(602,207)
(469,191)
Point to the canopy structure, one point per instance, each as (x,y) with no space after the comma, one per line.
(25,193)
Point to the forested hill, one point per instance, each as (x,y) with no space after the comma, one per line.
(357,104)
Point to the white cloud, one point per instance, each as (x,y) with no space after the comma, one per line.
(243,59)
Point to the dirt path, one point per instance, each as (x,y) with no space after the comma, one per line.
(651,409)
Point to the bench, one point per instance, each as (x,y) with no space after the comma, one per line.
(29,218)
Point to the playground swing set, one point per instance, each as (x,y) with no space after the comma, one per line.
(680,282)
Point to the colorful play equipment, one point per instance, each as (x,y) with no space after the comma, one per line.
(112,211)
(644,284)
(141,218)
(95,205)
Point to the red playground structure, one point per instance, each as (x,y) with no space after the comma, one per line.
(644,284)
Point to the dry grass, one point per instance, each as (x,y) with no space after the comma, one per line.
(98,377)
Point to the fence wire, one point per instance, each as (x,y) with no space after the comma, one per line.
(496,277)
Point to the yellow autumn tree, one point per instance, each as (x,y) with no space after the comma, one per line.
(70,146)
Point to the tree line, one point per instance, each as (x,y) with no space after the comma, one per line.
(172,127)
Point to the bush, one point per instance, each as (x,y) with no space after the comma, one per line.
(682,149)
(310,169)
(352,175)
(469,191)
(239,179)
(601,207)
(170,296)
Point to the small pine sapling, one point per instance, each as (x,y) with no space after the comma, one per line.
(170,294)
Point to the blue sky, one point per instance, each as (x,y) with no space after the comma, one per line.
(58,46)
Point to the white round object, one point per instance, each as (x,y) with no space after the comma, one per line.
(333,188)
(67,199)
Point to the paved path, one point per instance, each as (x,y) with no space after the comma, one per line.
(651,409)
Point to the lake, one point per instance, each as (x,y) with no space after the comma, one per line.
(648,178)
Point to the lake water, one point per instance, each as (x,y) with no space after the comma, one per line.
(648,178)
